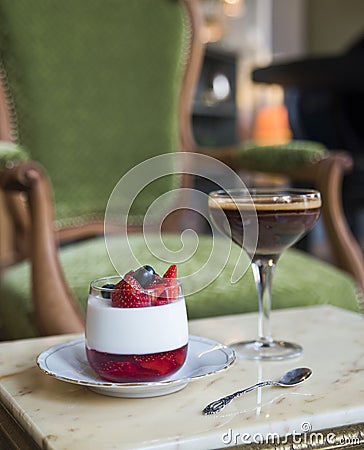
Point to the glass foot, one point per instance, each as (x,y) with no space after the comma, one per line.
(266,350)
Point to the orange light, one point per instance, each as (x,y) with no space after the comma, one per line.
(271,126)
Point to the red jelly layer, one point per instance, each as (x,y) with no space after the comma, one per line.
(130,368)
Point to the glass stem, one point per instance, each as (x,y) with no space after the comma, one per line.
(263,270)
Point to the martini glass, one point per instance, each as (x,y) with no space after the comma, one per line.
(281,217)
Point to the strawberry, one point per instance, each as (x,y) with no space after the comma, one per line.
(180,355)
(162,300)
(155,291)
(159,366)
(129,294)
(171,272)
(171,291)
(118,369)
(162,363)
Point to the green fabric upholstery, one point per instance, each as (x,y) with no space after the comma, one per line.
(278,158)
(294,284)
(10,153)
(83,87)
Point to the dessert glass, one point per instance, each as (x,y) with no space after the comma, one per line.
(283,217)
(135,344)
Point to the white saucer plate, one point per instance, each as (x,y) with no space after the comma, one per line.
(68,362)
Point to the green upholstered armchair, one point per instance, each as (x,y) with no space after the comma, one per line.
(89,90)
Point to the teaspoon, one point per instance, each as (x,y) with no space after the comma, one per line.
(290,378)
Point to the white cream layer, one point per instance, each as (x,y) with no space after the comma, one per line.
(135,330)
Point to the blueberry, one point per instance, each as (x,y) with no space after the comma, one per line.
(144,275)
(149,269)
(106,294)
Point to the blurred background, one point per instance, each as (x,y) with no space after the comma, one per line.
(242,35)
(231,108)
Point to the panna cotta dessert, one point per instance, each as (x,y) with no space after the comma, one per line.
(136,326)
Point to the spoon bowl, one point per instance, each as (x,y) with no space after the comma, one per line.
(288,379)
(295,376)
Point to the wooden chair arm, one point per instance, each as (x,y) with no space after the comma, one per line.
(327,174)
(54,306)
(13,183)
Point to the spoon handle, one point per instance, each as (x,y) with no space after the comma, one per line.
(218,405)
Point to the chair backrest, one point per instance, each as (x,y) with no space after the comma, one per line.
(94,87)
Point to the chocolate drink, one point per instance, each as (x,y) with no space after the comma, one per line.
(280,225)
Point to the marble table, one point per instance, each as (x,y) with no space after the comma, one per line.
(59,415)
